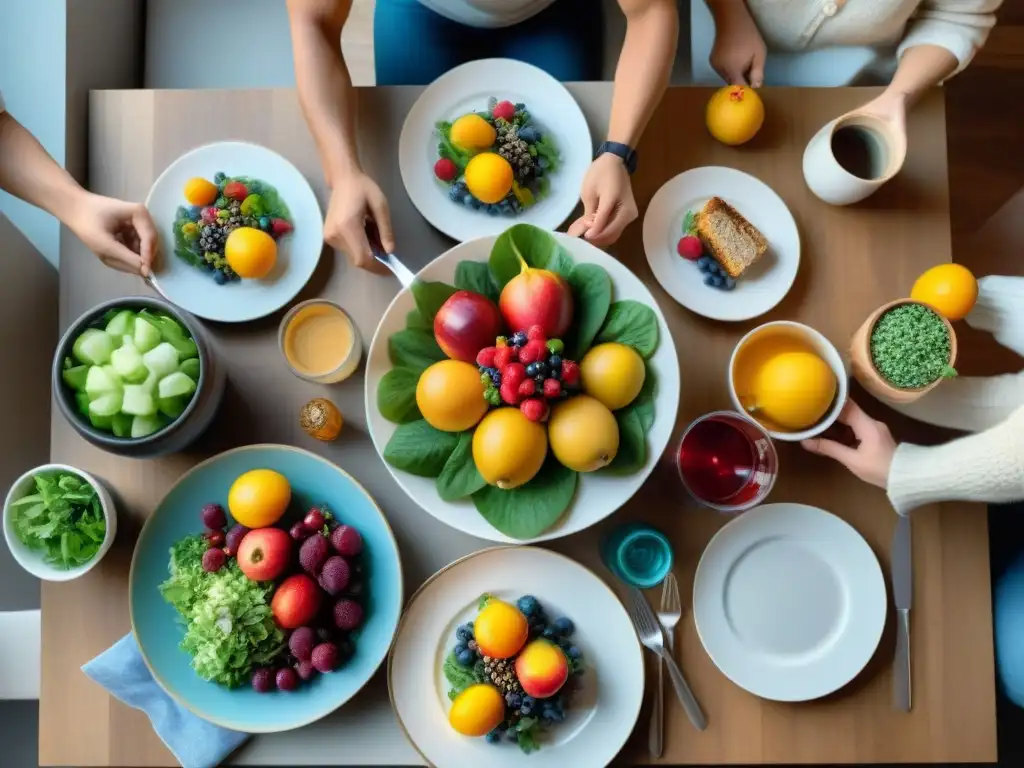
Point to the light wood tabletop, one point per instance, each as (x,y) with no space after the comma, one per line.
(853,259)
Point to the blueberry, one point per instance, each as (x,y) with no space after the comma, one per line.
(496,378)
(542,162)
(703,263)
(493,209)
(493,737)
(539,381)
(219,277)
(467,200)
(475,204)
(466,658)
(529,134)
(557,715)
(574,652)
(529,701)
(460,647)
(717,281)
(550,632)
(464,633)
(555,363)
(518,339)
(514,700)
(532,370)
(454,194)
(709,280)
(527,603)
(730,283)
(564,626)
(542,368)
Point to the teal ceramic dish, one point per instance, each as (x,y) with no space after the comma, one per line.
(155,623)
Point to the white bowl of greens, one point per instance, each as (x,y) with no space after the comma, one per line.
(58,522)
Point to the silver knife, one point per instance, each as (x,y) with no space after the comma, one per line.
(903,594)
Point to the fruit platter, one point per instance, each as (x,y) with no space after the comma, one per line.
(491,141)
(516,656)
(265,573)
(530,377)
(241,231)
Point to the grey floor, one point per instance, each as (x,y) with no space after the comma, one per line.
(19,720)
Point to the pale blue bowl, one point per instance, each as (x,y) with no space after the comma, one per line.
(155,623)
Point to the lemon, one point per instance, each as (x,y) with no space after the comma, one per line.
(477,710)
(250,252)
(793,390)
(500,629)
(583,433)
(488,177)
(949,289)
(613,374)
(199,191)
(450,395)
(734,114)
(508,448)
(473,133)
(259,497)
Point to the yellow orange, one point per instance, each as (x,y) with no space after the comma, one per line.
(450,395)
(613,374)
(508,448)
(584,434)
(950,289)
(250,252)
(500,629)
(199,191)
(794,390)
(488,177)
(477,710)
(259,498)
(735,114)
(472,132)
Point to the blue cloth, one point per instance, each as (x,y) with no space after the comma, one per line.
(1008,628)
(413,45)
(195,743)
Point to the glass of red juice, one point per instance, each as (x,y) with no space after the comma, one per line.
(727,461)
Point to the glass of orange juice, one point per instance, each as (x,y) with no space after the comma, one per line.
(320,342)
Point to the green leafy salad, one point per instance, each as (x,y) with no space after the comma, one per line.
(63,519)
(229,628)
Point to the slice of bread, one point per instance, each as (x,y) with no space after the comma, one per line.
(733,241)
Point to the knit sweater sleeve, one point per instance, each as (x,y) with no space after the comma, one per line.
(959,26)
(988,466)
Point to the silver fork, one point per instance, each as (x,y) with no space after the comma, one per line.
(647,628)
(669,615)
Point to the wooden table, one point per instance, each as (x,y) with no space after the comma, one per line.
(853,260)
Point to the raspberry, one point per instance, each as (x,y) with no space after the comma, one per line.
(346,541)
(505,110)
(213,560)
(325,657)
(570,373)
(263,680)
(536,332)
(305,670)
(552,388)
(209,214)
(235,190)
(301,643)
(286,679)
(690,247)
(279,227)
(534,409)
(214,517)
(533,351)
(527,387)
(503,356)
(513,374)
(312,554)
(445,169)
(485,357)
(348,614)
(335,575)
(509,393)
(234,537)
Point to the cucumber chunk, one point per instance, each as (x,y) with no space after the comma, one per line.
(75,377)
(82,403)
(161,360)
(173,333)
(121,423)
(173,407)
(93,347)
(146,425)
(138,401)
(176,384)
(105,405)
(122,324)
(127,362)
(190,368)
(146,335)
(99,382)
(100,422)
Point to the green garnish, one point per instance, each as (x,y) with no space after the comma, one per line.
(460,677)
(690,223)
(63,518)
(445,148)
(910,347)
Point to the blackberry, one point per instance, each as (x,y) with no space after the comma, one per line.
(501,673)
(515,151)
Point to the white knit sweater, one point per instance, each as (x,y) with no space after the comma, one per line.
(988,465)
(960,26)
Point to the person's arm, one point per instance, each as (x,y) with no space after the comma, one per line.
(329,104)
(739,51)
(122,234)
(940,41)
(641,77)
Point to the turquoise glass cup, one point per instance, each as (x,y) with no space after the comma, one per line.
(639,554)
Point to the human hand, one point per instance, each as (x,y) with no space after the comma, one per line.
(355,199)
(739,52)
(872,458)
(608,204)
(120,233)
(891,107)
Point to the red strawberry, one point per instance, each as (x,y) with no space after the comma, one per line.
(485,357)
(506,110)
(279,227)
(503,356)
(535,332)
(570,373)
(513,374)
(445,169)
(690,247)
(235,190)
(552,388)
(534,409)
(510,392)
(527,388)
(532,351)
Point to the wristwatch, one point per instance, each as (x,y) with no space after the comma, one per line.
(626,152)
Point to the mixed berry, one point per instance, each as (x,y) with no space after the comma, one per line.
(692,249)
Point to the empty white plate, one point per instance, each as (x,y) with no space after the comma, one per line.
(789,602)
(467,88)
(763,285)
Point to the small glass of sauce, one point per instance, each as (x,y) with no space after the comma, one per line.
(320,342)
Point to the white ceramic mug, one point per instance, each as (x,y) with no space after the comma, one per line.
(852,156)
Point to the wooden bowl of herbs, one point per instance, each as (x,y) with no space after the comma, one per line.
(903,351)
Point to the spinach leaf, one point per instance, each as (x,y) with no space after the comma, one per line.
(414,321)
(396,395)
(458,676)
(419,449)
(414,349)
(476,276)
(644,402)
(429,297)
(529,510)
(632,452)
(632,323)
(592,290)
(525,243)
(460,477)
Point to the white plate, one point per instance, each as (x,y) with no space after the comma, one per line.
(298,254)
(764,285)
(612,687)
(467,88)
(598,494)
(789,602)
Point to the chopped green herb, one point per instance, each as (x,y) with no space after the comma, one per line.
(910,347)
(63,518)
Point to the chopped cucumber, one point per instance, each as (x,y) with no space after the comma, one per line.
(173,407)
(100,422)
(190,368)
(127,362)
(146,335)
(82,403)
(162,359)
(99,382)
(75,377)
(138,401)
(93,346)
(146,425)
(122,324)
(121,423)
(173,333)
(105,405)
(175,385)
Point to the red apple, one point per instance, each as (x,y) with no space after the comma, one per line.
(542,669)
(296,601)
(264,553)
(537,297)
(465,324)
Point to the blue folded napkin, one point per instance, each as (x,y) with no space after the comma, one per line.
(194,742)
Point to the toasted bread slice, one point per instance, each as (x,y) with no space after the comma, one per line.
(733,241)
